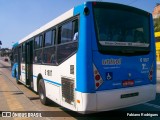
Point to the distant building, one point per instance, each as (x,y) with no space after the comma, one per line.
(5,52)
(156,12)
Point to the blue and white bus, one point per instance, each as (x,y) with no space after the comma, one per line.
(97,56)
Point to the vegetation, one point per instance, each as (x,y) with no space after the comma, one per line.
(157,24)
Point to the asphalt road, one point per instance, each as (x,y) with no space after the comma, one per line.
(33,103)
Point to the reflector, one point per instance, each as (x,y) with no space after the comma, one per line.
(97,84)
(97,77)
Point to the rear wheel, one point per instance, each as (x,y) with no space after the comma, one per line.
(42,93)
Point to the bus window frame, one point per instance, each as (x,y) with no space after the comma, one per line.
(53,40)
(77,17)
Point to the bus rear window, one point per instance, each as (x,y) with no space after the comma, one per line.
(121,27)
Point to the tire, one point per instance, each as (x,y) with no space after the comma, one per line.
(42,93)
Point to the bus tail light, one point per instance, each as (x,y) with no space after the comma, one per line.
(150,76)
(97,84)
(97,77)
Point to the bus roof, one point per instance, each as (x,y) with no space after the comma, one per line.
(157,34)
(54,22)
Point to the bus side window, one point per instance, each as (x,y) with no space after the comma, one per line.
(38,49)
(67,34)
(75,29)
(49,47)
(59,35)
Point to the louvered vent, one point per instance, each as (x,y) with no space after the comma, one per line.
(68,90)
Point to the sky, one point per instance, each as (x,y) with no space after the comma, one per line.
(18,18)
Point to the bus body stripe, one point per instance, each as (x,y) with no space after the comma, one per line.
(53,82)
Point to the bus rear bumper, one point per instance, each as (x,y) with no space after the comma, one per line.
(115,99)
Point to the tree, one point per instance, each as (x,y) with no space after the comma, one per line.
(157,24)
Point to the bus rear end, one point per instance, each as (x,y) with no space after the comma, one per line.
(122,61)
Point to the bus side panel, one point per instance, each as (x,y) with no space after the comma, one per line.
(88,102)
(36,72)
(52,76)
(53,92)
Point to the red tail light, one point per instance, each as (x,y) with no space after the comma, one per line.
(97,77)
(97,84)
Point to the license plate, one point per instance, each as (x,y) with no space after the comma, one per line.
(129,95)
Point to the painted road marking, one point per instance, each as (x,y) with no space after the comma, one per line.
(152,105)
